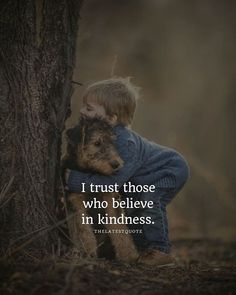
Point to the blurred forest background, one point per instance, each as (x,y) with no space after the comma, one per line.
(182,54)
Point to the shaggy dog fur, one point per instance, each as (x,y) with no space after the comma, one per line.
(90,148)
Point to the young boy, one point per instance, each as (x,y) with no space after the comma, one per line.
(145,163)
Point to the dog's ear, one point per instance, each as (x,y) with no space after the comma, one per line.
(70,133)
(73,134)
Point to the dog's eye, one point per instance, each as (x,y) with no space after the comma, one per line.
(97,143)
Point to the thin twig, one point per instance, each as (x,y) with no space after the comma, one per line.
(40,233)
(4,191)
(78,83)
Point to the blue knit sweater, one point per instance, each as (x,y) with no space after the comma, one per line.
(145,162)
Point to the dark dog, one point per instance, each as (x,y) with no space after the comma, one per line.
(90,148)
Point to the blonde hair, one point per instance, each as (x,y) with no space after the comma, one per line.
(118,96)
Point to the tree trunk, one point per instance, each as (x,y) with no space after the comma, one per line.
(36,63)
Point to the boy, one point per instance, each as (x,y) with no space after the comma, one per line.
(145,163)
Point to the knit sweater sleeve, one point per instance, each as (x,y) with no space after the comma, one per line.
(175,174)
(128,152)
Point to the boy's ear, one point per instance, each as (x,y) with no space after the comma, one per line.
(113,119)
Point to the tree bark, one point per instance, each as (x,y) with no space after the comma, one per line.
(37,56)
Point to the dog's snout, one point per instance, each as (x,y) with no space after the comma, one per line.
(115,164)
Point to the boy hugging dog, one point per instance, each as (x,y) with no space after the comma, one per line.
(144,163)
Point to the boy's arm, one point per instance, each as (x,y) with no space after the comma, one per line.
(128,153)
(169,170)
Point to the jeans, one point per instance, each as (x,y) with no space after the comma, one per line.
(156,234)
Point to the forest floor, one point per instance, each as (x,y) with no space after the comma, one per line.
(203,267)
